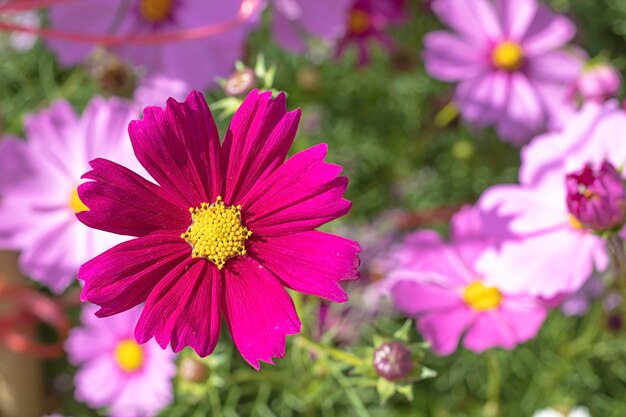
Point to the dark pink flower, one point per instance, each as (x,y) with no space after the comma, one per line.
(225,230)
(597,197)
(368,21)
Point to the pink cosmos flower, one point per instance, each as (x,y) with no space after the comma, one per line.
(197,62)
(227,228)
(292,19)
(555,243)
(451,294)
(599,82)
(508,60)
(38,182)
(154,90)
(368,21)
(131,380)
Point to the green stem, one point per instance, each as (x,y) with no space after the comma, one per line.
(337,354)
(493,385)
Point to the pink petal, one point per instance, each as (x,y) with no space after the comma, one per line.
(257,142)
(98,382)
(548,31)
(184,309)
(124,276)
(259,312)
(482,100)
(179,147)
(443,329)
(449,58)
(474,19)
(286,33)
(523,316)
(123,202)
(516,16)
(415,297)
(300,195)
(310,262)
(560,67)
(489,330)
(525,115)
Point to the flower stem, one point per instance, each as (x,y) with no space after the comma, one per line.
(337,354)
(492,405)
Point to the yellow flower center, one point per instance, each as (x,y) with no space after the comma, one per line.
(359,22)
(216,232)
(508,56)
(480,297)
(76,203)
(155,11)
(129,355)
(575,223)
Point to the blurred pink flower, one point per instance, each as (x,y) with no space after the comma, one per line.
(38,182)
(508,60)
(197,62)
(599,82)
(554,242)
(155,90)
(294,19)
(229,226)
(368,21)
(451,294)
(131,380)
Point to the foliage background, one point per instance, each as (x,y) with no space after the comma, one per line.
(380,125)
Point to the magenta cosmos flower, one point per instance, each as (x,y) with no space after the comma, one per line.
(451,294)
(368,21)
(131,380)
(38,181)
(294,19)
(558,241)
(197,62)
(227,228)
(508,60)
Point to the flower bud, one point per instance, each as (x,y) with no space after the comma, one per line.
(599,82)
(193,370)
(240,83)
(392,361)
(596,197)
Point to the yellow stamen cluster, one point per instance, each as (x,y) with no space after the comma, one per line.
(76,203)
(481,297)
(575,223)
(359,22)
(129,355)
(216,232)
(155,11)
(508,56)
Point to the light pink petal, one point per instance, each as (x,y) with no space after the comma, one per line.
(474,19)
(259,312)
(489,330)
(124,276)
(302,194)
(286,33)
(547,32)
(449,58)
(560,67)
(443,329)
(415,297)
(326,19)
(516,17)
(99,382)
(184,309)
(123,202)
(602,143)
(523,316)
(310,262)
(16,164)
(525,115)
(179,147)
(483,100)
(257,142)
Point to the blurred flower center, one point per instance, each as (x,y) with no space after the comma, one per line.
(508,56)
(76,203)
(481,297)
(155,11)
(359,22)
(129,355)
(216,232)
(575,223)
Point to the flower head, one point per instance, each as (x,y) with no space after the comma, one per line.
(393,360)
(131,380)
(225,230)
(597,197)
(599,82)
(508,60)
(215,55)
(451,293)
(38,182)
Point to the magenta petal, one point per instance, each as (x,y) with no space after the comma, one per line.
(124,276)
(310,262)
(179,147)
(302,194)
(184,309)
(257,141)
(259,312)
(123,202)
